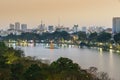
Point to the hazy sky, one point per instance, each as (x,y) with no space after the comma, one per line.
(82,12)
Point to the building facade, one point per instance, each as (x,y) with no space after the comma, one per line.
(23,27)
(12,26)
(17,26)
(116,25)
(75,28)
(50,28)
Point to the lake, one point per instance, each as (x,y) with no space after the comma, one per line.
(105,61)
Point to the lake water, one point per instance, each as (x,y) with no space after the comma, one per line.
(105,61)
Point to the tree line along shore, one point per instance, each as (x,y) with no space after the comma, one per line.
(14,65)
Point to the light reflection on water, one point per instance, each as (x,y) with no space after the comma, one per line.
(100,51)
(111,62)
(105,61)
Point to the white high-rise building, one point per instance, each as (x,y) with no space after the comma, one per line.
(75,28)
(116,25)
(17,26)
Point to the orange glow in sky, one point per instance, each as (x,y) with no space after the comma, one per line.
(70,12)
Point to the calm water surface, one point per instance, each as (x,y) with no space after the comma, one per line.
(105,61)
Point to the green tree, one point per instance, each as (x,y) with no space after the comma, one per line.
(34,73)
(93,36)
(16,71)
(3,61)
(3,48)
(82,35)
(103,76)
(63,64)
(65,69)
(13,55)
(104,37)
(117,38)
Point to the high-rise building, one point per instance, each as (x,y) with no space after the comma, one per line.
(75,28)
(116,25)
(17,26)
(41,27)
(12,27)
(23,27)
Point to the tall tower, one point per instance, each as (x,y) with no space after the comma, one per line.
(23,27)
(41,27)
(116,25)
(17,26)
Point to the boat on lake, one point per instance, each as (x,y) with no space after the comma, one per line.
(52,46)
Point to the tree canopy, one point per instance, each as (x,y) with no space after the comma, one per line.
(104,37)
(117,38)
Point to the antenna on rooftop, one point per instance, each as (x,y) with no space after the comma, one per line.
(41,22)
(59,22)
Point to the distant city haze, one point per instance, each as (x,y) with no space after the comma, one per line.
(66,12)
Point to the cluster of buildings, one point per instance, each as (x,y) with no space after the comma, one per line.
(17,28)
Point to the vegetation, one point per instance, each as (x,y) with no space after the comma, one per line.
(15,66)
(82,36)
(93,37)
(117,38)
(104,37)
(45,36)
(102,40)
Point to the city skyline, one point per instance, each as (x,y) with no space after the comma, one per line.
(69,12)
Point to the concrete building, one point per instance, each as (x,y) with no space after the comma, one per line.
(108,30)
(23,27)
(51,29)
(84,29)
(75,28)
(41,27)
(11,31)
(67,29)
(116,25)
(91,29)
(12,26)
(97,29)
(17,26)
(3,33)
